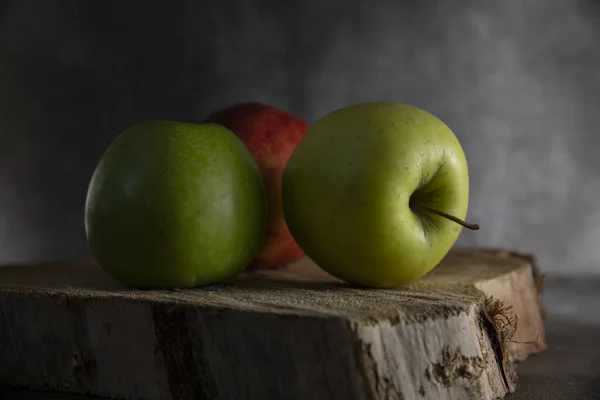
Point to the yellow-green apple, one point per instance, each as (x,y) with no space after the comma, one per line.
(175,205)
(270,134)
(376,193)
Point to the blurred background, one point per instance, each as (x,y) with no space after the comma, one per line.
(518,82)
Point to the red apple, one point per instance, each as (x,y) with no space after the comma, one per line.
(271,135)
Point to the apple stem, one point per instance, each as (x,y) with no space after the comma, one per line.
(473,227)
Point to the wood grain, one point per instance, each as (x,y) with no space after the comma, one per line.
(293,333)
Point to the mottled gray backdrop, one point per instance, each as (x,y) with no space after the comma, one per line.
(518,81)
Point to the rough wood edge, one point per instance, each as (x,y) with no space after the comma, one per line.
(442,370)
(494,334)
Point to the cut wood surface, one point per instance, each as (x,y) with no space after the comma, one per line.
(292,333)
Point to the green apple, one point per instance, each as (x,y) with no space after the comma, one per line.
(175,205)
(375,193)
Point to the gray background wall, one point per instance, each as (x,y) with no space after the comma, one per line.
(518,81)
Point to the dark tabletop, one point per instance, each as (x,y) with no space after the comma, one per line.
(569,369)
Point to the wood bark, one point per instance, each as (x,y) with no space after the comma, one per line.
(292,333)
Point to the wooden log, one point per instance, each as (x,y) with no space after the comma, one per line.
(293,333)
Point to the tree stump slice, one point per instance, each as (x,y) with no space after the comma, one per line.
(291,333)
